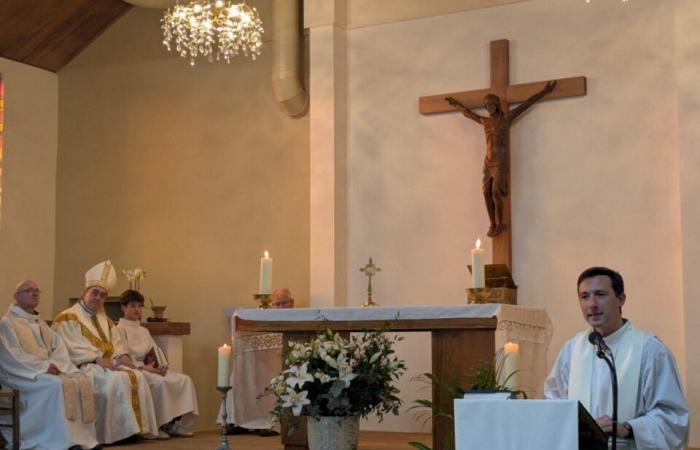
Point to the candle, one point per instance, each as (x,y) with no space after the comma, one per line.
(511,364)
(265,274)
(478,266)
(224,364)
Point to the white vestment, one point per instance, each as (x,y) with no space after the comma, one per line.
(50,417)
(173,394)
(660,419)
(123,402)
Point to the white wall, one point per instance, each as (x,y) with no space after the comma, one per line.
(594,179)
(28,215)
(188,172)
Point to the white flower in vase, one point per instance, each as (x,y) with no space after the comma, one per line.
(295,400)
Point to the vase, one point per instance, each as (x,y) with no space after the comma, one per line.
(333,433)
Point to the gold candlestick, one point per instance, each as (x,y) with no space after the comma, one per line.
(370,270)
(263,300)
(478,296)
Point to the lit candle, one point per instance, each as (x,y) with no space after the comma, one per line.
(478,266)
(266,274)
(511,364)
(224,365)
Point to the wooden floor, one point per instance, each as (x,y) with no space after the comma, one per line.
(209,440)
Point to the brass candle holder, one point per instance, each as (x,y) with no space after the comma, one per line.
(264,300)
(478,296)
(223,444)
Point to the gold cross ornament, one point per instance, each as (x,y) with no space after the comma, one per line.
(370,270)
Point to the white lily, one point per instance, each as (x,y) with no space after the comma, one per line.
(299,376)
(295,400)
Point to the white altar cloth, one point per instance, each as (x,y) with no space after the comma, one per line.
(516,424)
(530,327)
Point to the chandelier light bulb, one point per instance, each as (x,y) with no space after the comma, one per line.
(213,29)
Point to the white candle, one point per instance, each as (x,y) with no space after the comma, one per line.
(265,274)
(224,365)
(511,365)
(478,280)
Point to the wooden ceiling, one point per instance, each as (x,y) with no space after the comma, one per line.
(49,33)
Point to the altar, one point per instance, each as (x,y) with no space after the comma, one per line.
(463,338)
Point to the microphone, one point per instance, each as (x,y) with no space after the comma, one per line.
(596,339)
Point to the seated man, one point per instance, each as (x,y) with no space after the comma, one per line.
(173,393)
(57,405)
(123,402)
(256,360)
(652,410)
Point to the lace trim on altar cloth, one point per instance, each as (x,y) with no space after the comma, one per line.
(257,342)
(518,331)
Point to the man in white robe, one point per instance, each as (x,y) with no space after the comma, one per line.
(173,393)
(57,405)
(652,410)
(123,402)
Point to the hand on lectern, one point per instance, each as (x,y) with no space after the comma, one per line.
(606,422)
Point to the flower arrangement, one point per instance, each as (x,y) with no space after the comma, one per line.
(334,376)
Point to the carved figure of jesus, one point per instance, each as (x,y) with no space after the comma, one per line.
(496,179)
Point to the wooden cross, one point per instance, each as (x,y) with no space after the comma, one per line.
(518,93)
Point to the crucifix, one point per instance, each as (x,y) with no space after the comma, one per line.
(497,99)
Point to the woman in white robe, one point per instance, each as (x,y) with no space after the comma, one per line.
(174,396)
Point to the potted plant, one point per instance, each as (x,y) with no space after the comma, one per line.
(334,381)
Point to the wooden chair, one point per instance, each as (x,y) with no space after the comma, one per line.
(12,410)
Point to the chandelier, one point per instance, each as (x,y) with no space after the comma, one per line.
(214,29)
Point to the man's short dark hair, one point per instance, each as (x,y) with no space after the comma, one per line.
(618,284)
(131,295)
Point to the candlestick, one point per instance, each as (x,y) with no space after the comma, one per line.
(224,364)
(265,274)
(511,363)
(264,300)
(478,296)
(477,253)
(223,444)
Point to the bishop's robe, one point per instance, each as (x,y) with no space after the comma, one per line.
(650,394)
(173,394)
(56,412)
(123,402)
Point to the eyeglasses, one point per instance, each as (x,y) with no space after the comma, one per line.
(30,291)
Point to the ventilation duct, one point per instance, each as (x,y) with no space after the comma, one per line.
(286,84)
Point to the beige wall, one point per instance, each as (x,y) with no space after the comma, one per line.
(187,172)
(688,42)
(595,179)
(27,218)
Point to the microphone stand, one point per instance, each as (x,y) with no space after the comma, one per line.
(613,372)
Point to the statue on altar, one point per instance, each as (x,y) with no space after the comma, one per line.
(496,167)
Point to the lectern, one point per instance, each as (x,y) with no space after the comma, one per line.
(525,425)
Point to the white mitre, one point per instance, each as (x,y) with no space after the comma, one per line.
(102,275)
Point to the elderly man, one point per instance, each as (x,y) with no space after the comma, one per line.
(57,408)
(124,405)
(652,411)
(257,359)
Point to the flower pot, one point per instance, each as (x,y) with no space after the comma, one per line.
(333,433)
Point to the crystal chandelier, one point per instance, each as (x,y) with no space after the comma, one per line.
(213,29)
